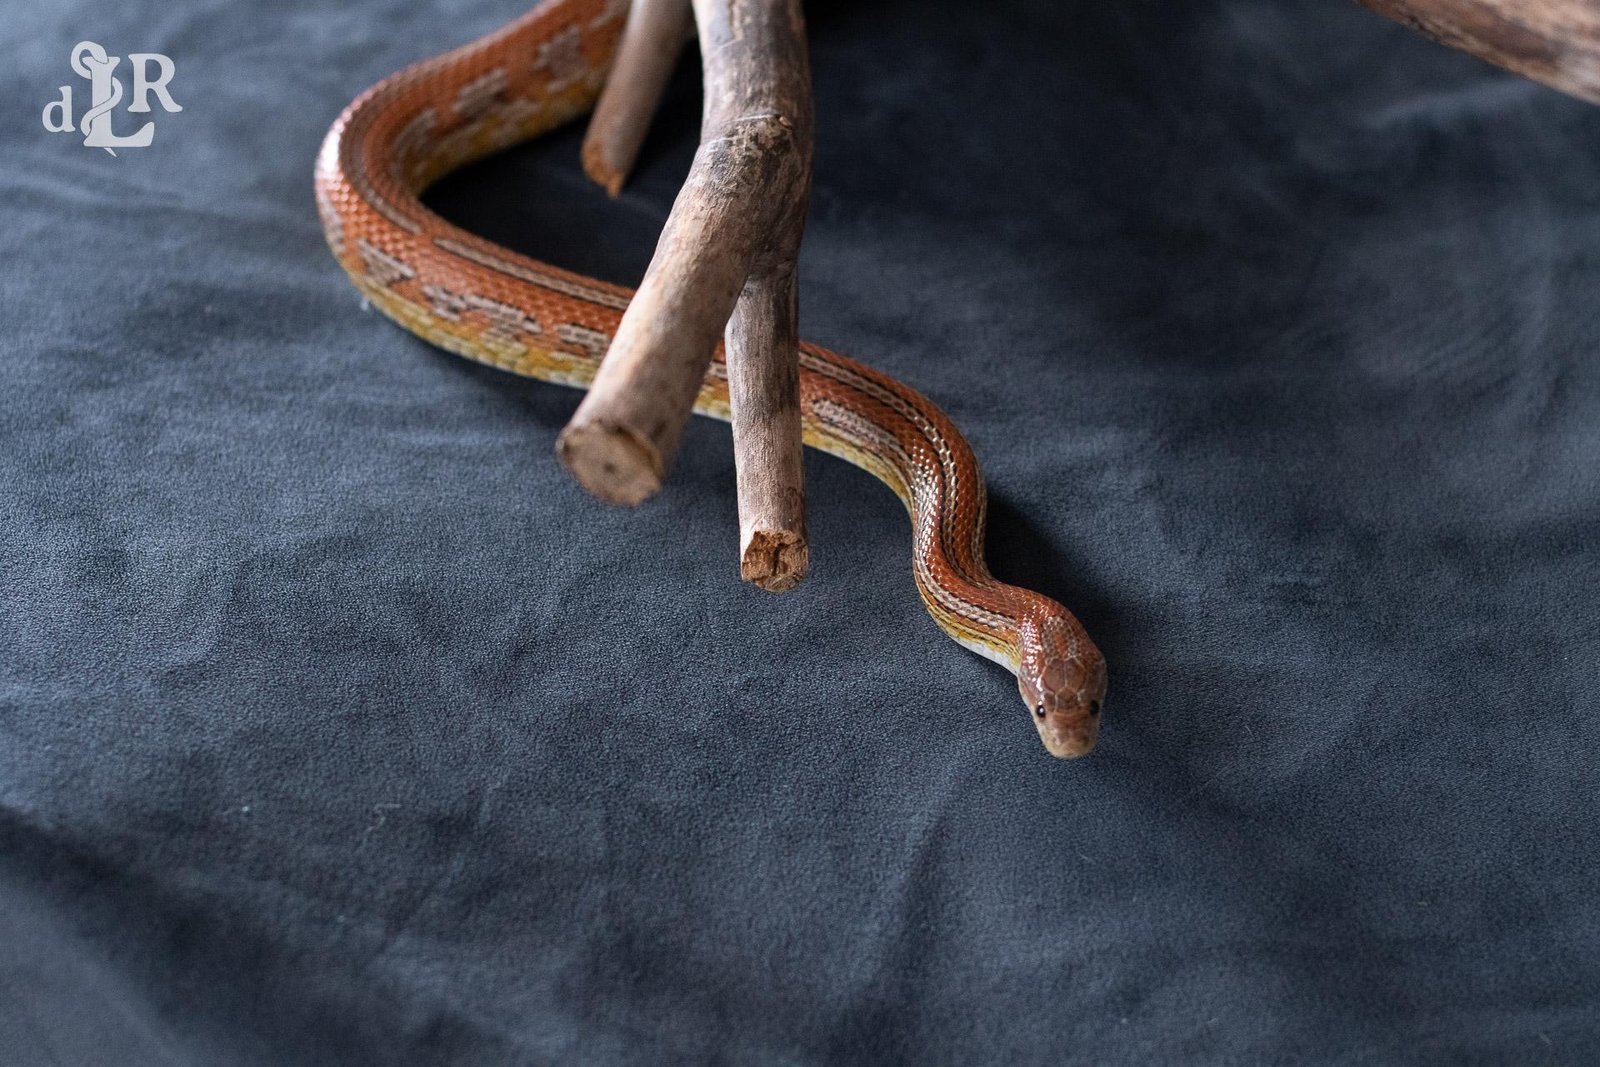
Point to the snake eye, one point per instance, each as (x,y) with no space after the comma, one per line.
(1039,711)
(1094,707)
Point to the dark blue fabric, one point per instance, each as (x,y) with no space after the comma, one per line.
(338,727)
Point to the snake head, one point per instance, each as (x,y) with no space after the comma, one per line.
(1062,678)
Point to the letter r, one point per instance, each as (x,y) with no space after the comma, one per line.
(143,84)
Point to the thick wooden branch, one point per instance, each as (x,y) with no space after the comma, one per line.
(732,239)
(652,41)
(1553,41)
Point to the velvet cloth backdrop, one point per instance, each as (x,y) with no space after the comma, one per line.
(337,726)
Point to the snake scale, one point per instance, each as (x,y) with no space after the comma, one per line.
(487,303)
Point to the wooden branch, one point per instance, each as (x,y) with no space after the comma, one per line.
(768,76)
(763,345)
(732,238)
(1553,41)
(652,41)
(627,427)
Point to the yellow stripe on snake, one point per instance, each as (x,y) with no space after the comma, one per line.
(482,301)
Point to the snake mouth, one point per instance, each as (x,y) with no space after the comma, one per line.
(1070,742)
(1068,737)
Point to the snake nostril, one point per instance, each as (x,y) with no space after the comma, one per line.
(1094,707)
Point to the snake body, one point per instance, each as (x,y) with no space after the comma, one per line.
(490,304)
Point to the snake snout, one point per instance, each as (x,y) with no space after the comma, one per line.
(1068,736)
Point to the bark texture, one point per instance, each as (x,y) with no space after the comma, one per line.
(651,43)
(726,259)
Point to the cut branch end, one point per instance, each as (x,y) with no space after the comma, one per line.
(775,560)
(611,461)
(597,168)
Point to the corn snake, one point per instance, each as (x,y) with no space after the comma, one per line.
(489,304)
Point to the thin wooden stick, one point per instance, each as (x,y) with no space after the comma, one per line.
(1553,41)
(652,41)
(763,336)
(763,346)
(741,212)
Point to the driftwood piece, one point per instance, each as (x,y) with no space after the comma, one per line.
(731,239)
(652,41)
(1556,42)
(764,385)
(763,337)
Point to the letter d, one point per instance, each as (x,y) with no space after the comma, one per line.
(62,107)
